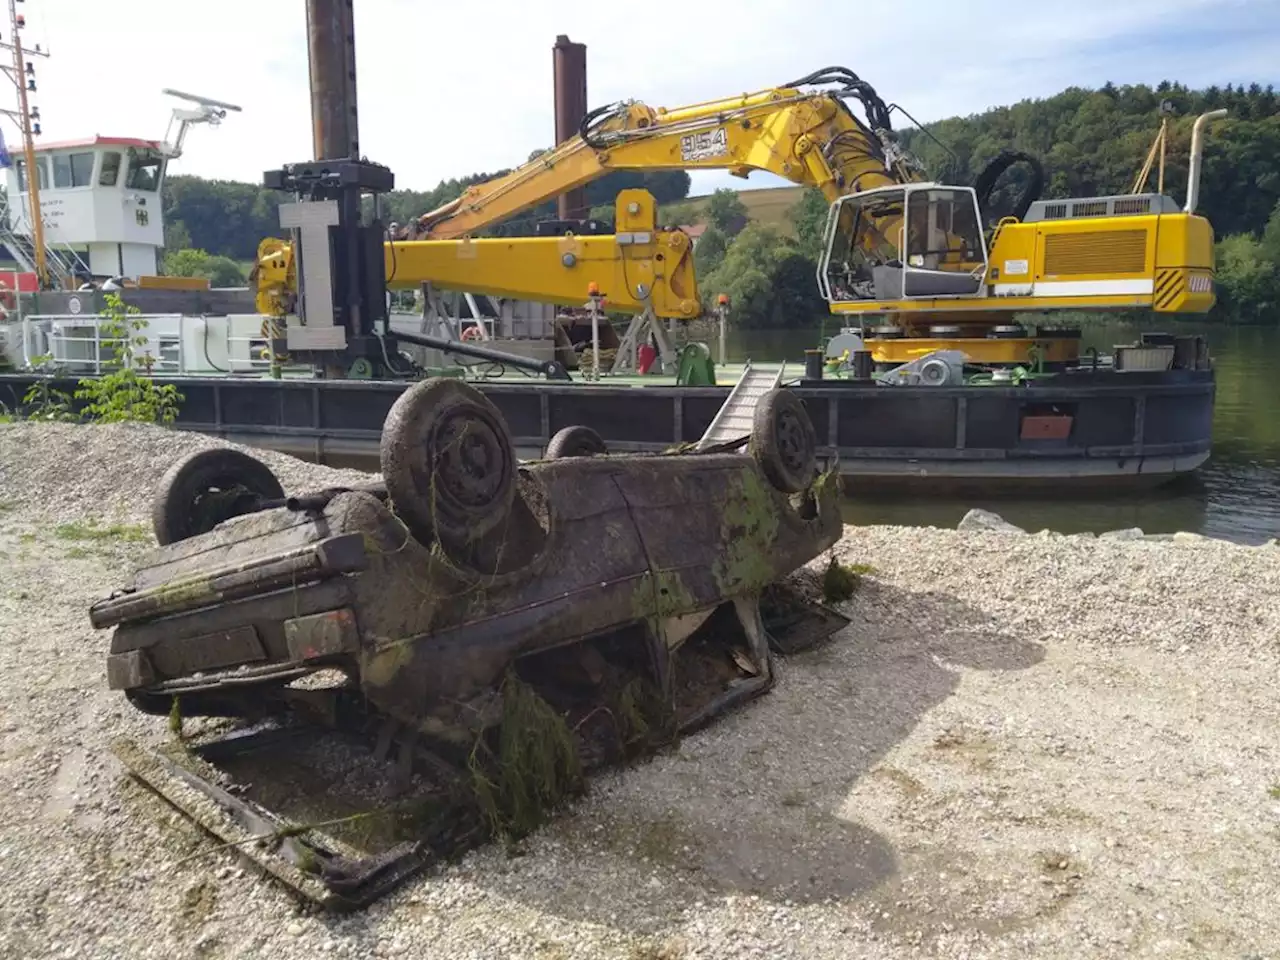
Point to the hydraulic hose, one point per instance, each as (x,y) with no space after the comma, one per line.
(985,183)
(584,128)
(877,112)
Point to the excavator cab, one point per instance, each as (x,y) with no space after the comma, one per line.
(915,241)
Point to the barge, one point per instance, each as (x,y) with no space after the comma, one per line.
(940,380)
(893,411)
(1084,429)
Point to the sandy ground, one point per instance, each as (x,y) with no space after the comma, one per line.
(1023,745)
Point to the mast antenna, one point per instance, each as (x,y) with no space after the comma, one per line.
(23,74)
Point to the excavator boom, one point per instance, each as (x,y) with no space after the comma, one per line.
(809,138)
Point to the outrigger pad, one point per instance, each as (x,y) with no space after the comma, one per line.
(503,628)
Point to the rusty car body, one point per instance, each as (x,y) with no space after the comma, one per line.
(423,590)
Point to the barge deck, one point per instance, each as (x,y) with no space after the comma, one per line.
(1078,430)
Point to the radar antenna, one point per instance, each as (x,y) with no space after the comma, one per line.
(207,111)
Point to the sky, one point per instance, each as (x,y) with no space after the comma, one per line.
(446,90)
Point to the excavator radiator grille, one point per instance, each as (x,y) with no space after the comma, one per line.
(1111,251)
(1125,205)
(1089,208)
(1136,205)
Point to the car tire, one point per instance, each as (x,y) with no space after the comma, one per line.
(575,442)
(448,461)
(206,488)
(783,441)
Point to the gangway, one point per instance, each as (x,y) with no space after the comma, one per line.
(733,419)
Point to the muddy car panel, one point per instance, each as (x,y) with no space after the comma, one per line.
(625,541)
(425,611)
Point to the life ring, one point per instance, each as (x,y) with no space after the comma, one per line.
(471,333)
(7,299)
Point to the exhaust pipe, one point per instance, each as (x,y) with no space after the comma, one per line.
(1197,148)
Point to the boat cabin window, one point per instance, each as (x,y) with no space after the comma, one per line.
(110,169)
(144,170)
(42,173)
(72,170)
(935,250)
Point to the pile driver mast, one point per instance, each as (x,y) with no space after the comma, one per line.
(342,280)
(342,308)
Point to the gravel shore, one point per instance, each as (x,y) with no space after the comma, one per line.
(1023,745)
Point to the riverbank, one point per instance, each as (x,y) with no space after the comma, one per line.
(1023,745)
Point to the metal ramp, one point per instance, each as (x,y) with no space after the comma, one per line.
(733,420)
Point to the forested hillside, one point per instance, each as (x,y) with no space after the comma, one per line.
(1094,142)
(225,218)
(1090,142)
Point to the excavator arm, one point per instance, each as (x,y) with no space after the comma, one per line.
(810,138)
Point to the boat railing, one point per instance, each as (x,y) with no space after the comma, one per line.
(83,344)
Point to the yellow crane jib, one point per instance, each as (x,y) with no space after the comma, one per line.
(926,256)
(636,267)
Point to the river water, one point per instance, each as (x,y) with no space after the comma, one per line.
(1234,496)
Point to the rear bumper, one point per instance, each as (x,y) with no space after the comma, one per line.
(262,620)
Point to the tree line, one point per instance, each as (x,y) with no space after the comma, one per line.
(1090,143)
(226,218)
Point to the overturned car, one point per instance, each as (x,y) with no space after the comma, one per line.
(622,590)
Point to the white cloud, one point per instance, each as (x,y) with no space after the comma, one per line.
(450,89)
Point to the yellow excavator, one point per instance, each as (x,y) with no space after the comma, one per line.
(921,255)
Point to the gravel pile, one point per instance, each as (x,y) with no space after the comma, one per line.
(1023,745)
(110,470)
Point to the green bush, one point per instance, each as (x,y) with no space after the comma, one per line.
(123,393)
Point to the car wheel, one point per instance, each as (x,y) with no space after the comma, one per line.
(575,442)
(448,461)
(202,490)
(783,441)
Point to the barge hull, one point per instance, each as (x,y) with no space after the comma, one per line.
(1114,429)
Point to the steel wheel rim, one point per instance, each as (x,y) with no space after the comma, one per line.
(794,444)
(470,461)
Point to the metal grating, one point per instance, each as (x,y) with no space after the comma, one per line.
(1097,251)
(1125,205)
(1089,208)
(737,414)
(1131,205)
